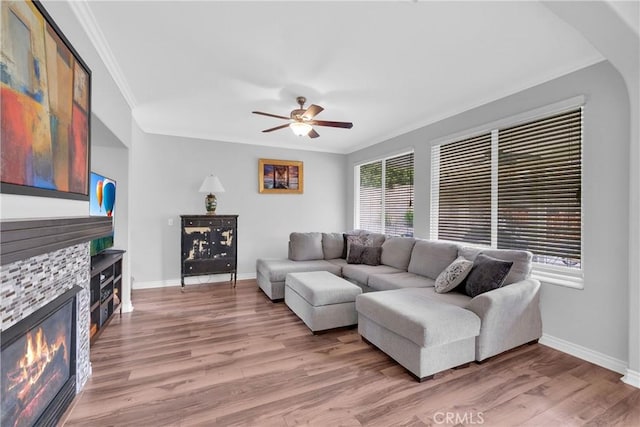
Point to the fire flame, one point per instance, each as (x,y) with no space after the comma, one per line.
(37,355)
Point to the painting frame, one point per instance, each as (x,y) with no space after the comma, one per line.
(280,176)
(46,107)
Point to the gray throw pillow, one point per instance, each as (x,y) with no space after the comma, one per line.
(360,254)
(486,275)
(365,239)
(453,275)
(354,240)
(344,246)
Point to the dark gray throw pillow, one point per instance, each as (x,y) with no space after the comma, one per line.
(344,247)
(360,254)
(486,274)
(372,255)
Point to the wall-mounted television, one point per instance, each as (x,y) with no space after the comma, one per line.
(102,202)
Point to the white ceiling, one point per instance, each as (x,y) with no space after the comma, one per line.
(198,69)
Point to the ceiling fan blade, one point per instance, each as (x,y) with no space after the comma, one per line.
(270,115)
(345,125)
(312,111)
(276,128)
(313,134)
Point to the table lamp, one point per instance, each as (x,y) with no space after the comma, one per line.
(210,185)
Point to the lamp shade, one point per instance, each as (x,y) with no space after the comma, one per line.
(300,128)
(211,184)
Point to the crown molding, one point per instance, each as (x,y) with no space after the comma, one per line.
(88,22)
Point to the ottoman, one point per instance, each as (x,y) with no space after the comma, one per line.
(424,335)
(321,299)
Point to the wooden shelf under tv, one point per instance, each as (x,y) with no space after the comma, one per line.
(106,275)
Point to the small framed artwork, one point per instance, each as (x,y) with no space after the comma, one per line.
(280,176)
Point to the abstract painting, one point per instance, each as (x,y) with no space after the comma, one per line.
(46,107)
(280,176)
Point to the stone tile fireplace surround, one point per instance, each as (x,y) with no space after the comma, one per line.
(33,283)
(41,260)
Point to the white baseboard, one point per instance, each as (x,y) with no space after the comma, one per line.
(584,353)
(632,378)
(213,278)
(127,307)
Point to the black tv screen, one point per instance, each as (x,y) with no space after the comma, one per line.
(102,202)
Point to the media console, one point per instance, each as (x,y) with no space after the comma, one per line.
(106,289)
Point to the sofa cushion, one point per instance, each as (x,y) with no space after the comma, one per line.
(430,257)
(522,261)
(277,269)
(360,272)
(360,254)
(453,275)
(338,261)
(305,246)
(413,315)
(486,275)
(396,251)
(455,298)
(385,282)
(332,245)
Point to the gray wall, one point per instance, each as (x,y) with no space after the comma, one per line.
(168,172)
(109,157)
(595,317)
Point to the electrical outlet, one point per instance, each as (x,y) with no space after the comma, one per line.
(170,222)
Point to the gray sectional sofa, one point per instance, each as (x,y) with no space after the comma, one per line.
(509,316)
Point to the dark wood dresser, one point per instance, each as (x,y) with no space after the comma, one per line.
(209,246)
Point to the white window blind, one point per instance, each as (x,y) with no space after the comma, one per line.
(398,196)
(370,199)
(536,194)
(539,188)
(386,208)
(464,204)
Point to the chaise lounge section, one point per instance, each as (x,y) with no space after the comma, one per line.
(422,334)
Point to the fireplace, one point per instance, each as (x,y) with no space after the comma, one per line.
(39,364)
(45,268)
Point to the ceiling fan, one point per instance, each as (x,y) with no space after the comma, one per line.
(301,120)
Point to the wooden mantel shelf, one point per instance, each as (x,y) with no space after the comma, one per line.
(25,238)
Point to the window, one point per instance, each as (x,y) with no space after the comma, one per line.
(517,187)
(386,208)
(464,208)
(370,197)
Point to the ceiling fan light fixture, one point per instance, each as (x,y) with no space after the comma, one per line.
(300,128)
(301,120)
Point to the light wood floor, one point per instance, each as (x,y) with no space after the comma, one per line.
(217,356)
